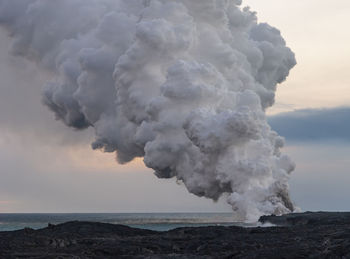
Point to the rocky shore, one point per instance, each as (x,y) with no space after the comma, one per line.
(302,235)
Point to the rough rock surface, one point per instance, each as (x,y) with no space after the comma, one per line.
(303,235)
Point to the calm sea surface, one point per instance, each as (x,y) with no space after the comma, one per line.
(153,221)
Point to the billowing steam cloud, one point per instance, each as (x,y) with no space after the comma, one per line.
(184,84)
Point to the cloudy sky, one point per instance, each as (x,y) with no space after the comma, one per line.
(46,167)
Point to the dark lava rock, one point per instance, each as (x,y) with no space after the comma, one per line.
(301,235)
(309,218)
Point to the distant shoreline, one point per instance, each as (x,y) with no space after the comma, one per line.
(152,221)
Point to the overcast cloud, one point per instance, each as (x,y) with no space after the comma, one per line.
(313,124)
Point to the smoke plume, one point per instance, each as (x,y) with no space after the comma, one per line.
(183,84)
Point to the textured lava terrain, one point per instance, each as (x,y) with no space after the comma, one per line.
(303,235)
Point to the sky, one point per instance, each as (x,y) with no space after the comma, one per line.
(46,167)
(314,30)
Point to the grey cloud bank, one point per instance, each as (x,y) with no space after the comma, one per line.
(183,84)
(316,125)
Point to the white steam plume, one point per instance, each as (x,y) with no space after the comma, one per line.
(184,84)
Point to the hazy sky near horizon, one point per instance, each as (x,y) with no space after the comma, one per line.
(316,31)
(46,167)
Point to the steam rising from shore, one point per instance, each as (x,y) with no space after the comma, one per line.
(184,84)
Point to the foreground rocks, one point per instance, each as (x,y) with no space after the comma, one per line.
(304,235)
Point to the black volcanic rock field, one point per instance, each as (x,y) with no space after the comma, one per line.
(301,235)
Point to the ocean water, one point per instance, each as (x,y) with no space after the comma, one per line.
(153,221)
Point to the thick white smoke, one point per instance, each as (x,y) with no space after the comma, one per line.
(184,84)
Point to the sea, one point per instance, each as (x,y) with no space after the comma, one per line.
(152,221)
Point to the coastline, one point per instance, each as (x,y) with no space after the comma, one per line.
(310,234)
(153,221)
